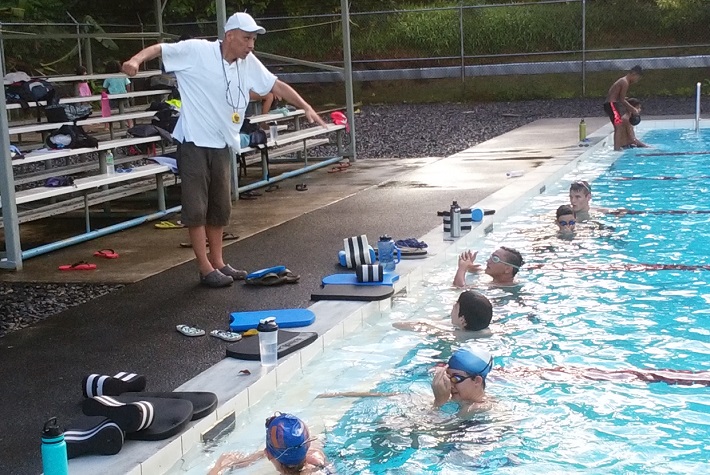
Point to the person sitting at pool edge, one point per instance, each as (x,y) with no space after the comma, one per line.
(566,220)
(463,380)
(502,266)
(472,312)
(627,136)
(289,447)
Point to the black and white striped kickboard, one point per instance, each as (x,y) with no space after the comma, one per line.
(130,417)
(369,273)
(106,438)
(357,251)
(103,385)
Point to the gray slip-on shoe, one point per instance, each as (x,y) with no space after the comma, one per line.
(216,279)
(233,273)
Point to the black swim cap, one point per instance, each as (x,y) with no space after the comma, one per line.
(635,119)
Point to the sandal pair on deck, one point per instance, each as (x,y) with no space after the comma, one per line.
(276,275)
(193,331)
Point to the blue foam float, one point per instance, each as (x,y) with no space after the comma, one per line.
(389,278)
(285,318)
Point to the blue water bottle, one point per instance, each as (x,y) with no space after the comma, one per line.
(54,449)
(386,250)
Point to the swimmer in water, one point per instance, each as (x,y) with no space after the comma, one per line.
(289,447)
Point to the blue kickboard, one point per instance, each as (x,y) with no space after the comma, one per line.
(351,279)
(285,318)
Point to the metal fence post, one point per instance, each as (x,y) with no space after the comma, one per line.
(348,73)
(463,54)
(87,55)
(2,53)
(13,250)
(584,48)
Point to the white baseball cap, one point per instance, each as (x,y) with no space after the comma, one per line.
(243,21)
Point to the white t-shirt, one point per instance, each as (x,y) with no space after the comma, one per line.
(211,90)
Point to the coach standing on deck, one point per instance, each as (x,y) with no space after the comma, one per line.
(214,79)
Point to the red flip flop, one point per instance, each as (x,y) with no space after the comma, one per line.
(106,253)
(81,265)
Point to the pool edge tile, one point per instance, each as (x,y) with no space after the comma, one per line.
(163,459)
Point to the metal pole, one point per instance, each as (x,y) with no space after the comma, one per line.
(463,61)
(78,33)
(221,18)
(348,74)
(140,21)
(697,108)
(13,251)
(88,57)
(159,19)
(584,48)
(2,53)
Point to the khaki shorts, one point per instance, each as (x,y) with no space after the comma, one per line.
(205,176)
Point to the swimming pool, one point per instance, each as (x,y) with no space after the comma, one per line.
(561,316)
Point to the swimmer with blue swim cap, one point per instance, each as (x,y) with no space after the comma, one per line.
(289,447)
(463,380)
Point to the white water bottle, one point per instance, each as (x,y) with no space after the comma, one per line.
(110,166)
(515,173)
(274,131)
(268,341)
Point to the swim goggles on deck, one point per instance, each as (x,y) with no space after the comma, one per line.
(498,260)
(571,222)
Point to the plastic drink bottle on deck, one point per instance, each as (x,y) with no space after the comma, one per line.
(268,341)
(386,250)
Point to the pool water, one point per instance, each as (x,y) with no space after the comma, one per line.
(579,307)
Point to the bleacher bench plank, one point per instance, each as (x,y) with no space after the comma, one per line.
(258,119)
(39,156)
(89,183)
(44,126)
(95,98)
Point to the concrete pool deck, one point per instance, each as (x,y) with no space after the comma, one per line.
(133,328)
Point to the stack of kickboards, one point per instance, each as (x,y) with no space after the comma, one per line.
(116,408)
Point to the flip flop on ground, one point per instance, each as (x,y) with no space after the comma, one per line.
(340,167)
(106,253)
(188,330)
(225,335)
(81,265)
(249,195)
(301,187)
(274,278)
(168,225)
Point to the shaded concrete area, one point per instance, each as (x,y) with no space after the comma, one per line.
(133,328)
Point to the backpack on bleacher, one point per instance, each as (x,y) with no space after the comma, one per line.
(67,112)
(34,90)
(166,119)
(70,136)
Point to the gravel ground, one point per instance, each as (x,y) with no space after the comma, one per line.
(384,131)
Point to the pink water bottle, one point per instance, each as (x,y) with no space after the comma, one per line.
(105,105)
